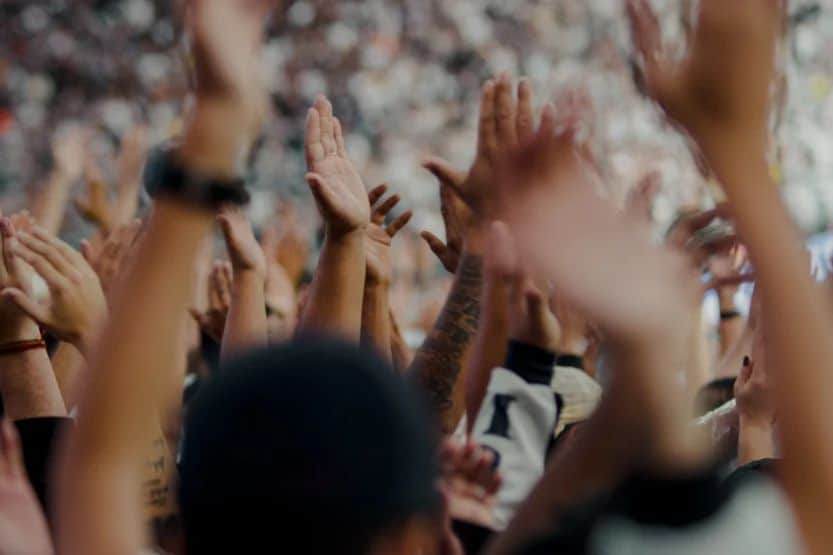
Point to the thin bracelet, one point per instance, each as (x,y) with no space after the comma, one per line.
(22,346)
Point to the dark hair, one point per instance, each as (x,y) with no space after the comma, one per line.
(314,444)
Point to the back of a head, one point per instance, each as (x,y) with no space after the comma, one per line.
(313,444)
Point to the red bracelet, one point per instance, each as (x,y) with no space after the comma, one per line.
(22,346)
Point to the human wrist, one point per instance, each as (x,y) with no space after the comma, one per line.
(755,422)
(247,276)
(353,237)
(216,139)
(25,330)
(476,238)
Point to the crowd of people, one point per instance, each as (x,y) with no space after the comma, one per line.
(201,369)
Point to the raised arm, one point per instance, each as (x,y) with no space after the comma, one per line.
(68,154)
(27,384)
(246,322)
(99,502)
(335,298)
(130,163)
(376,318)
(721,95)
(504,121)
(607,267)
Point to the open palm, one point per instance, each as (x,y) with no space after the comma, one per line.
(334,181)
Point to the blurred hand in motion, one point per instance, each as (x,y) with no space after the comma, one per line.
(132,154)
(95,205)
(23,529)
(69,152)
(15,324)
(287,243)
(231,100)
(530,319)
(379,236)
(605,263)
(721,91)
(457,217)
(470,482)
(245,253)
(77,306)
(113,256)
(227,36)
(338,189)
(213,320)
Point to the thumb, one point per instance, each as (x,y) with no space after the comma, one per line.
(28,305)
(445,173)
(322,192)
(434,243)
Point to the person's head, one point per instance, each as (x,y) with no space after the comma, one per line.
(313,446)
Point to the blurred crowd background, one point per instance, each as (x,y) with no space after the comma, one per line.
(404,76)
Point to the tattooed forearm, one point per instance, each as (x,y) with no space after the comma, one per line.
(438,362)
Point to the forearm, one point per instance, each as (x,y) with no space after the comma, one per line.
(335,298)
(798,335)
(127,202)
(27,383)
(51,204)
(68,364)
(731,361)
(799,349)
(376,327)
(730,331)
(756,441)
(490,345)
(129,379)
(246,326)
(439,361)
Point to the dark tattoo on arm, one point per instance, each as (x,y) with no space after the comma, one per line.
(438,362)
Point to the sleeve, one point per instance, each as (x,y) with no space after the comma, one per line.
(516,421)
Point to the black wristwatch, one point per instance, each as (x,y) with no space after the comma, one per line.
(165,175)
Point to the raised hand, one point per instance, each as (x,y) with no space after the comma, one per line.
(132,154)
(69,153)
(470,482)
(231,100)
(601,252)
(378,236)
(530,319)
(226,34)
(77,305)
(286,243)
(244,251)
(23,529)
(457,217)
(95,207)
(336,185)
(213,320)
(505,123)
(721,90)
(111,259)
(130,163)
(15,325)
